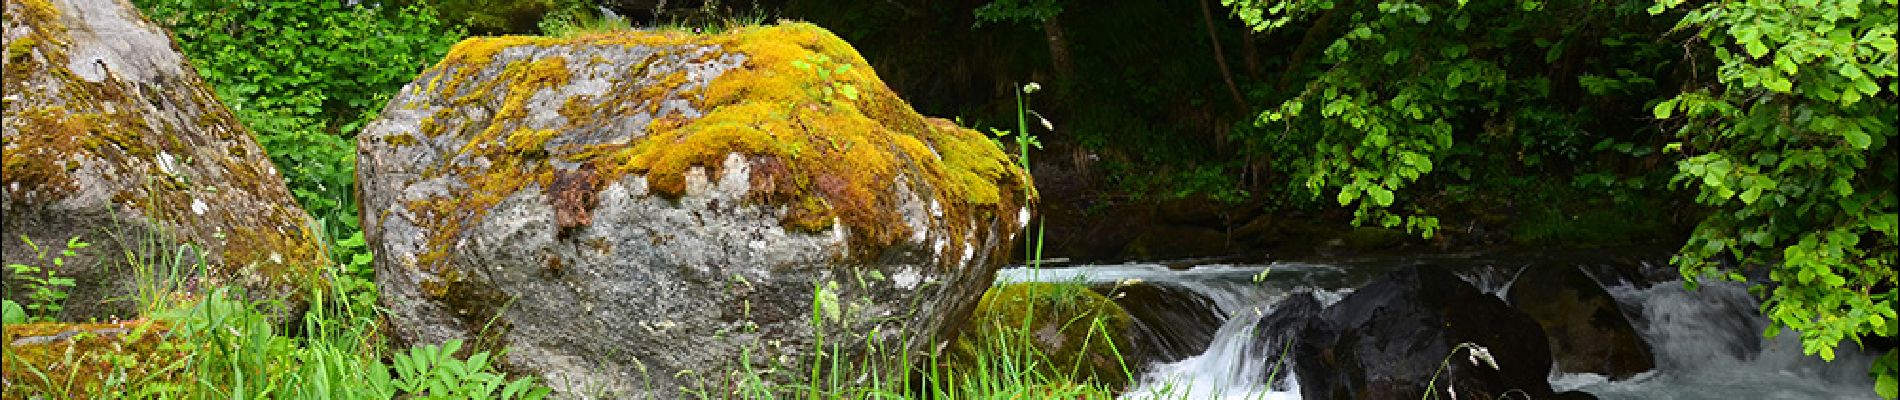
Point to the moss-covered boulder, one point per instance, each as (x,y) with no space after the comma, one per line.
(110,136)
(80,361)
(635,213)
(1057,333)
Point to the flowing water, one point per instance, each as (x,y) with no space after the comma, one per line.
(1707,343)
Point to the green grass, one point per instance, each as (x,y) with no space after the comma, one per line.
(216,345)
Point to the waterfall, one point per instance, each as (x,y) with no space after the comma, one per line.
(1707,342)
(1708,345)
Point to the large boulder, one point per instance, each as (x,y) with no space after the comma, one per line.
(111,137)
(1407,331)
(1587,329)
(641,214)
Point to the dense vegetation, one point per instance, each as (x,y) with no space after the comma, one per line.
(1783,116)
(1764,130)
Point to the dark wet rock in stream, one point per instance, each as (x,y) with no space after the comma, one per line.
(648,214)
(1170,322)
(1588,331)
(1388,338)
(1278,335)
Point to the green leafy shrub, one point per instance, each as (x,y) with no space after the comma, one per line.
(44,285)
(432,372)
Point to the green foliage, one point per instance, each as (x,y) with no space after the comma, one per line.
(493,17)
(1791,145)
(1402,90)
(828,89)
(1034,11)
(237,352)
(433,372)
(45,287)
(1022,136)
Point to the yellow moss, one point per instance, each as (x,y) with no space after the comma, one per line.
(804,100)
(20,48)
(38,11)
(401,140)
(528,141)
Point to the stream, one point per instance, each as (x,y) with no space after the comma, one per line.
(1706,343)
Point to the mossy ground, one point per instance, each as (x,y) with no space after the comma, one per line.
(824,137)
(81,361)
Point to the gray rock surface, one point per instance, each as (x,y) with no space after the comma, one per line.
(111,137)
(642,215)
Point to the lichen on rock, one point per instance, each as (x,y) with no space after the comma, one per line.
(110,136)
(623,193)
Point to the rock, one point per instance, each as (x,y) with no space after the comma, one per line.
(1388,338)
(111,137)
(1170,323)
(88,360)
(1060,323)
(1279,335)
(1586,328)
(632,214)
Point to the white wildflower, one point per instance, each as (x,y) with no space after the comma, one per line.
(1479,353)
(1045,121)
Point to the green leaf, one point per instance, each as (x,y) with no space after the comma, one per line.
(1755,48)
(1857,138)
(1886,386)
(11,312)
(1380,195)
(1665,108)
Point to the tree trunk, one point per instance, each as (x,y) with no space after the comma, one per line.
(1058,49)
(1207,16)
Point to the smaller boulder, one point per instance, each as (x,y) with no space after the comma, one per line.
(1587,330)
(1078,335)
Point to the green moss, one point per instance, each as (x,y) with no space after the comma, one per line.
(87,360)
(1069,333)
